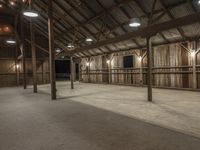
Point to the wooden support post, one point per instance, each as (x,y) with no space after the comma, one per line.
(79,74)
(109,72)
(43,72)
(89,71)
(194,75)
(17,67)
(149,74)
(22,47)
(33,50)
(51,50)
(141,71)
(17,71)
(72,72)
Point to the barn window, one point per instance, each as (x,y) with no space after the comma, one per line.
(128,61)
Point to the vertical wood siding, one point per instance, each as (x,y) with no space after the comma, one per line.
(172,67)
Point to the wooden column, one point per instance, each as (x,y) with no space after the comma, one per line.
(194,74)
(89,71)
(149,74)
(72,72)
(43,72)
(109,72)
(22,47)
(141,73)
(79,75)
(17,66)
(185,62)
(33,50)
(51,50)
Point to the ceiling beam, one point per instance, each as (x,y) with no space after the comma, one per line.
(144,46)
(144,32)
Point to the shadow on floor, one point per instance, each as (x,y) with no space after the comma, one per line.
(110,131)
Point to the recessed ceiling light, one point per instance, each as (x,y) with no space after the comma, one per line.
(135,22)
(11,41)
(30,13)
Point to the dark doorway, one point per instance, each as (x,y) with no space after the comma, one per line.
(128,61)
(62,69)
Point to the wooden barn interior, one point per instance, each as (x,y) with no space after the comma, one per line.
(99,74)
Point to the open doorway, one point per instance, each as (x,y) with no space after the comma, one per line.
(62,69)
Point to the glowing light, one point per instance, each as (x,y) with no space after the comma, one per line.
(88,39)
(30,13)
(12,3)
(6,28)
(193,53)
(135,22)
(70,45)
(17,66)
(58,50)
(11,41)
(87,64)
(140,58)
(108,61)
(198,1)
(1,6)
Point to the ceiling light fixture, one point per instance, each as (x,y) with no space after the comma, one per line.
(135,22)
(58,50)
(1,5)
(12,3)
(30,13)
(11,41)
(199,2)
(70,45)
(88,39)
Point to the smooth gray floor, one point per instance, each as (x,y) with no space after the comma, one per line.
(33,122)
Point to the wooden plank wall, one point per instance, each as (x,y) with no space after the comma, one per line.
(95,65)
(198,69)
(172,67)
(8,72)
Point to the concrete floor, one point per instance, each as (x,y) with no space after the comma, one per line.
(99,117)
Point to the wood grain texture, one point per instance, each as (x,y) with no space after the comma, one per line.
(172,67)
